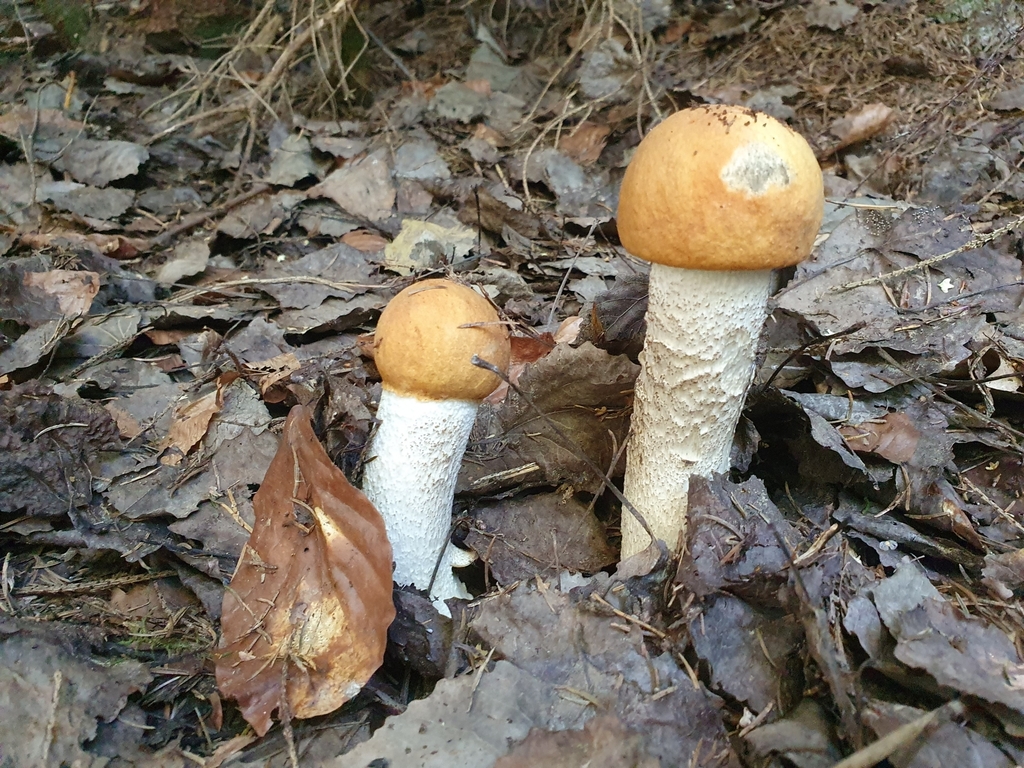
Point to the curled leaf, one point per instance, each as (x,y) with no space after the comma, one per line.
(305,619)
(861,125)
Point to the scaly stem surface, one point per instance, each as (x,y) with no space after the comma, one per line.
(697,362)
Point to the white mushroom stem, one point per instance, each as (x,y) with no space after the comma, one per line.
(410,474)
(698,360)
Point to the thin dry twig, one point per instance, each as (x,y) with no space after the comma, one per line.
(257,281)
(974,244)
(228,114)
(83,587)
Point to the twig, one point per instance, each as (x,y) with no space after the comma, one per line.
(260,95)
(388,52)
(906,734)
(631,619)
(193,220)
(479,676)
(51,723)
(284,61)
(975,242)
(256,281)
(80,587)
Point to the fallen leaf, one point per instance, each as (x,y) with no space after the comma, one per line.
(1008,100)
(56,692)
(291,162)
(74,291)
(584,145)
(962,653)
(270,372)
(114,246)
(424,245)
(190,423)
(893,437)
(99,162)
(854,127)
(361,187)
(943,742)
(539,534)
(365,241)
(305,620)
(583,396)
(831,14)
(189,258)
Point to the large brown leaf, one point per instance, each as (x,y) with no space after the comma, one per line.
(306,616)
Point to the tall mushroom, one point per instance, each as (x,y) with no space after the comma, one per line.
(424,342)
(716,197)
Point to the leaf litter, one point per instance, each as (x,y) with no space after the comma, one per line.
(194,246)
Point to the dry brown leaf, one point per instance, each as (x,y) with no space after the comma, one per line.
(525,350)
(894,437)
(127,424)
(305,619)
(25,121)
(585,144)
(114,246)
(268,373)
(192,420)
(488,134)
(604,742)
(162,338)
(74,291)
(854,127)
(365,241)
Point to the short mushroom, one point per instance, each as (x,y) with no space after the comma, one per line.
(423,346)
(716,197)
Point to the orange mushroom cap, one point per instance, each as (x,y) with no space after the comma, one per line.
(721,187)
(427,336)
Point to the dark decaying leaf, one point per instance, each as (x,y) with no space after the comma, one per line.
(851,514)
(734,532)
(539,534)
(1004,573)
(574,643)
(339,263)
(806,736)
(929,314)
(54,692)
(305,619)
(419,635)
(750,653)
(468,722)
(46,442)
(961,653)
(493,215)
(893,437)
(617,320)
(584,393)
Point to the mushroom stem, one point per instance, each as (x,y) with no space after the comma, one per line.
(698,360)
(410,475)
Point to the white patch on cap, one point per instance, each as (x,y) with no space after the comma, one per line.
(755,168)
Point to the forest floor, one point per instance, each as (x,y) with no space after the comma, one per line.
(203,212)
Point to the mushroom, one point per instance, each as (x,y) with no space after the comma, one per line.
(716,197)
(423,346)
